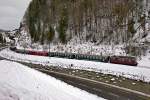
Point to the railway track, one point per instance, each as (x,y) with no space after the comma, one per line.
(144,67)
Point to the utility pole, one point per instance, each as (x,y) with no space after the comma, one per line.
(145,15)
(49,46)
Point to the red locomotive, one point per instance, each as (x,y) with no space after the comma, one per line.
(39,53)
(125,60)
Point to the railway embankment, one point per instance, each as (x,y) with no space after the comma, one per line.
(103,85)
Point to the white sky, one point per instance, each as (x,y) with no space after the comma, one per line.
(11,13)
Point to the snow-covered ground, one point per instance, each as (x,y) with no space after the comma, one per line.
(132,72)
(145,60)
(18,82)
(73,46)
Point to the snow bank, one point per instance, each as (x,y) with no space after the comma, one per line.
(19,82)
(132,72)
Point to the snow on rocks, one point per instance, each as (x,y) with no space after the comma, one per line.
(18,82)
(132,72)
(113,79)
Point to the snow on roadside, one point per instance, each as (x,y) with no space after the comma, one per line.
(131,72)
(18,82)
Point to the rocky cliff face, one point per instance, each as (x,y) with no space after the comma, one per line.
(96,21)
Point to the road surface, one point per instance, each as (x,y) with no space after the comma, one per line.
(101,89)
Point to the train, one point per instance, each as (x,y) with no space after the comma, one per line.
(124,60)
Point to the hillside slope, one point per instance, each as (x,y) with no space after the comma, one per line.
(97,21)
(87,26)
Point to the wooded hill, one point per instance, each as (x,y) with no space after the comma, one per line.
(98,21)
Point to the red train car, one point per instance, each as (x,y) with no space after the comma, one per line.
(125,60)
(38,53)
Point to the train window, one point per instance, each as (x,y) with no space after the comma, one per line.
(133,59)
(115,58)
(130,61)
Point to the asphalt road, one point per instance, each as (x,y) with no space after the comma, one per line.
(102,90)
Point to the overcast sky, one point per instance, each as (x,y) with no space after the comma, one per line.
(11,13)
